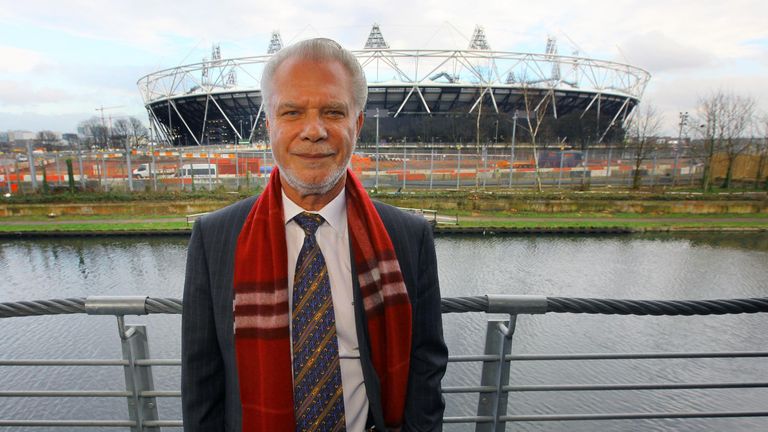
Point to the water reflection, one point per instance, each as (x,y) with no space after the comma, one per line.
(70,267)
(735,240)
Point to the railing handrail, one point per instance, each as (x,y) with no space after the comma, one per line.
(493,388)
(491,303)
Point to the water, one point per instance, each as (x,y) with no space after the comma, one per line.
(654,267)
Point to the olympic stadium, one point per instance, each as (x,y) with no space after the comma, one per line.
(422,96)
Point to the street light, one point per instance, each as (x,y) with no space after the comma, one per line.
(683,123)
(377,114)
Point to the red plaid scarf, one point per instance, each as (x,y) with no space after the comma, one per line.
(262,339)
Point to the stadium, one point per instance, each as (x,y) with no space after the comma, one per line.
(427,97)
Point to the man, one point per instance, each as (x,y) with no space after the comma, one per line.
(310,307)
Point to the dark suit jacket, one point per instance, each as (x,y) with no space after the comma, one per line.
(209,384)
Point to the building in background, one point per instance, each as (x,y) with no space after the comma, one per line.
(419,96)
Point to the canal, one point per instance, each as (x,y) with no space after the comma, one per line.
(692,266)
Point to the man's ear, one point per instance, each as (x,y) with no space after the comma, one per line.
(266,122)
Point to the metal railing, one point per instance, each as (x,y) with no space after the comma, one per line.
(430,215)
(493,390)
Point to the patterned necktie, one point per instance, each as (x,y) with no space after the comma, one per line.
(317,392)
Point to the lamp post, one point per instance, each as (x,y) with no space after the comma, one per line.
(405,163)
(512,147)
(683,123)
(377,114)
(458,168)
(377,149)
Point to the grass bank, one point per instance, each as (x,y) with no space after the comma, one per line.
(629,210)
(630,222)
(182,227)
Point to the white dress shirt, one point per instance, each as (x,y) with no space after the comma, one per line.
(333,239)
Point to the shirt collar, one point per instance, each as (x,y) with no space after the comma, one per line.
(334,212)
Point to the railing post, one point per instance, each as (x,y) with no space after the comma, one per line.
(498,342)
(138,379)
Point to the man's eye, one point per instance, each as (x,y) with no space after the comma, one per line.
(290,113)
(335,114)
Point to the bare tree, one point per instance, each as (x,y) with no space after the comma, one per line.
(761,146)
(119,133)
(46,139)
(138,132)
(643,130)
(129,132)
(534,116)
(726,120)
(93,131)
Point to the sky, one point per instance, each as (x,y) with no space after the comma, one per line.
(61,60)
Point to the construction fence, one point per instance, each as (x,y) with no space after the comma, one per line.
(246,167)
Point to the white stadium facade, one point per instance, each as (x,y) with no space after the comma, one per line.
(420,95)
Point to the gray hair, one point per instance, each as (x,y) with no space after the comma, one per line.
(319,49)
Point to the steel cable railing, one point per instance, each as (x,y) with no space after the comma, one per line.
(141,390)
(487,304)
(507,304)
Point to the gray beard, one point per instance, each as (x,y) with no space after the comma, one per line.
(304,188)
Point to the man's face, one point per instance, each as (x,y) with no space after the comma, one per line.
(313,125)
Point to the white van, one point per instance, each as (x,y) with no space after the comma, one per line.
(198,171)
(142,172)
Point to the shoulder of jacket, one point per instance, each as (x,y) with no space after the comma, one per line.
(230,213)
(393,216)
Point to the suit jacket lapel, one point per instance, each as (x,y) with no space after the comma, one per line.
(371,380)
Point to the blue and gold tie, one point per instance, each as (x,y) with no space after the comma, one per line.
(317,392)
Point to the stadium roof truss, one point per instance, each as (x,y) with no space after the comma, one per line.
(185,99)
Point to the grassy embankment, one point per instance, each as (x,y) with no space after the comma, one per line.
(473,209)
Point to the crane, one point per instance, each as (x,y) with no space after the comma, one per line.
(103,124)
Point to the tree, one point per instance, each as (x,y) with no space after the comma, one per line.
(643,130)
(129,132)
(46,139)
(73,140)
(726,119)
(534,116)
(761,145)
(94,132)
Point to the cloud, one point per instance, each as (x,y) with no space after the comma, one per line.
(34,121)
(672,39)
(657,52)
(23,94)
(677,93)
(15,60)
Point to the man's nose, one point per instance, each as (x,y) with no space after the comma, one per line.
(314,128)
